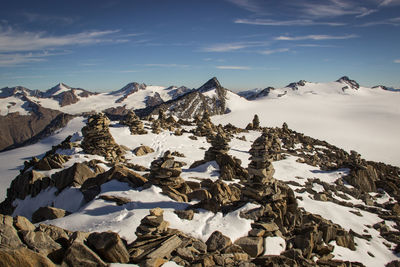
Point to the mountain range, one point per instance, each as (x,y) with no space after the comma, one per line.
(29,115)
(172,176)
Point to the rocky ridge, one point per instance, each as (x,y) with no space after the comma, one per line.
(307,236)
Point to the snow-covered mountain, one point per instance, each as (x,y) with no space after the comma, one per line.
(317,205)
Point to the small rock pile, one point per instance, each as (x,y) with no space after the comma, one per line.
(230,167)
(165,172)
(134,123)
(255,124)
(204,126)
(215,196)
(98,140)
(219,145)
(260,167)
(157,244)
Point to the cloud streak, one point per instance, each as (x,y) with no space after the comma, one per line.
(396,61)
(229,47)
(233,67)
(298,22)
(274,51)
(16,59)
(16,41)
(315,37)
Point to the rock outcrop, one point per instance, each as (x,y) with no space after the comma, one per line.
(97,139)
(134,123)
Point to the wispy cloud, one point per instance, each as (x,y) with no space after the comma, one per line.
(233,67)
(314,45)
(253,6)
(273,51)
(333,8)
(298,22)
(35,17)
(389,3)
(396,61)
(315,37)
(17,41)
(15,59)
(170,65)
(128,71)
(229,47)
(391,21)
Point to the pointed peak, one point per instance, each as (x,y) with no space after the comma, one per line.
(346,80)
(210,84)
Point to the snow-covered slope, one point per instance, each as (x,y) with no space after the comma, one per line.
(100,215)
(364,119)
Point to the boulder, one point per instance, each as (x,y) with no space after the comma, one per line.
(78,254)
(109,246)
(47,213)
(23,257)
(142,150)
(22,223)
(118,200)
(253,246)
(8,235)
(185,214)
(42,243)
(75,175)
(217,241)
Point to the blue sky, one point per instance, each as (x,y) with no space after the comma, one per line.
(103,45)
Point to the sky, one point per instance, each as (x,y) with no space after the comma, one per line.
(103,45)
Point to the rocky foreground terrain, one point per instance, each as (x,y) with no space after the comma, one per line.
(161,190)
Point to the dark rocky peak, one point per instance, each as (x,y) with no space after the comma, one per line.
(386,88)
(174,91)
(256,93)
(15,91)
(154,100)
(130,88)
(295,86)
(213,83)
(351,83)
(59,88)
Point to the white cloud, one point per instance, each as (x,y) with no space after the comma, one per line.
(171,65)
(299,22)
(233,67)
(334,8)
(15,59)
(391,21)
(273,51)
(229,47)
(315,37)
(396,61)
(389,3)
(17,41)
(249,5)
(35,17)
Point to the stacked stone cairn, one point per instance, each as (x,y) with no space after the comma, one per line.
(165,172)
(260,169)
(134,123)
(255,124)
(204,126)
(97,139)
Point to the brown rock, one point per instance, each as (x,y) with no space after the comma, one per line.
(253,246)
(22,223)
(109,246)
(118,200)
(185,214)
(142,150)
(42,243)
(8,234)
(217,241)
(166,248)
(47,213)
(200,194)
(78,254)
(75,175)
(23,257)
